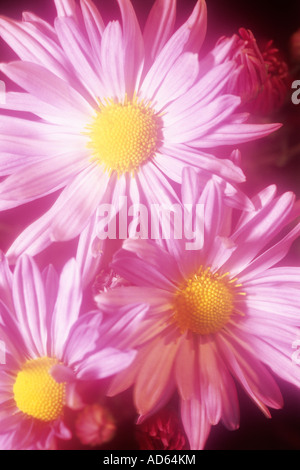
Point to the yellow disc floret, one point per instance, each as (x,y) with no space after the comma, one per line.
(204,302)
(124,135)
(36,393)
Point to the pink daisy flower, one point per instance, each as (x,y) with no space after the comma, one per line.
(49,350)
(115,112)
(217,315)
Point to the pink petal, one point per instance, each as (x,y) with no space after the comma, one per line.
(66,8)
(252,236)
(210,380)
(113,61)
(155,374)
(205,119)
(204,91)
(159,27)
(51,283)
(140,272)
(133,45)
(252,375)
(62,374)
(158,299)
(47,87)
(33,46)
(5,282)
(27,103)
(83,338)
(78,202)
(42,178)
(164,61)
(185,366)
(271,256)
(232,134)
(30,305)
(94,24)
(87,256)
(78,52)
(197,23)
(104,363)
(67,306)
(120,329)
(36,237)
(206,162)
(178,80)
(39,24)
(195,423)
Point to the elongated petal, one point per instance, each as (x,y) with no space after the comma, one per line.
(159,26)
(195,423)
(67,306)
(155,374)
(232,134)
(47,87)
(178,80)
(113,61)
(133,45)
(79,202)
(197,23)
(210,116)
(78,52)
(104,363)
(33,46)
(41,178)
(94,24)
(30,305)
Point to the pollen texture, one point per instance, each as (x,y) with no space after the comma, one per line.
(124,135)
(36,393)
(203,303)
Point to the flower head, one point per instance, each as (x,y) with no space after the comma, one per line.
(114,112)
(162,431)
(218,314)
(95,425)
(49,350)
(262,78)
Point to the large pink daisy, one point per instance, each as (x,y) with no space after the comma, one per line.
(114,112)
(217,315)
(49,350)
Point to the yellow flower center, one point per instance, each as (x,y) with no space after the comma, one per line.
(124,135)
(204,303)
(36,393)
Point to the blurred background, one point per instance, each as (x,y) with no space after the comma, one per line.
(274,160)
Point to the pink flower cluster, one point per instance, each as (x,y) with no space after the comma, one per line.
(107,116)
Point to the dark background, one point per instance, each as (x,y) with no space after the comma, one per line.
(275,20)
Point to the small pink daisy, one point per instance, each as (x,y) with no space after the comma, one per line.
(217,315)
(114,112)
(49,349)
